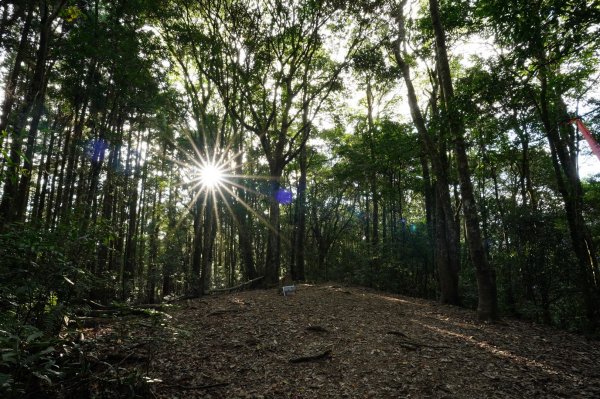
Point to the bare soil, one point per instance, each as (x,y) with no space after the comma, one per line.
(328,341)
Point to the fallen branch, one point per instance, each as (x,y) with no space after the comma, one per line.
(96,305)
(312,358)
(317,329)
(107,311)
(240,287)
(398,333)
(195,387)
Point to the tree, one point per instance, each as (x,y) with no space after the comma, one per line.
(447,255)
(543,37)
(266,56)
(487,308)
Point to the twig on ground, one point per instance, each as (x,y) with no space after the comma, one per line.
(247,284)
(195,387)
(312,358)
(317,329)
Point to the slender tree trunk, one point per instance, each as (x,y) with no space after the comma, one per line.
(73,144)
(107,209)
(55,186)
(43,176)
(153,250)
(197,247)
(300,227)
(11,85)
(170,264)
(561,140)
(485,275)
(273,256)
(243,223)
(245,240)
(38,110)
(447,256)
(15,191)
(129,265)
(208,243)
(373,182)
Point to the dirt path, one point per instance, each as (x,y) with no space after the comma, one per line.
(354,343)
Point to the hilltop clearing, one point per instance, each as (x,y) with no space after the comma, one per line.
(330,341)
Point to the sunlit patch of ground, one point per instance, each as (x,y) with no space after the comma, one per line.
(329,341)
(364,345)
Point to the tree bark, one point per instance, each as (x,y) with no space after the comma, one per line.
(561,139)
(447,256)
(485,275)
(273,258)
(11,84)
(300,228)
(374,258)
(129,265)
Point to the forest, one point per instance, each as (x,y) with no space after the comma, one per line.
(160,151)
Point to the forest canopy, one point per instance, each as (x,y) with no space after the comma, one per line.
(157,149)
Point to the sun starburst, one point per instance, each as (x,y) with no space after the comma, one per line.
(211,176)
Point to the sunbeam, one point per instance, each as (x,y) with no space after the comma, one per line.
(213,178)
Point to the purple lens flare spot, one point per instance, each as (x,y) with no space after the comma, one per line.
(283,196)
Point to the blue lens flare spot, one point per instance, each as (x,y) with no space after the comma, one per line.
(96,150)
(283,196)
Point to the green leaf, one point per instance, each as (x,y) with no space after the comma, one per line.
(9,357)
(34,336)
(42,377)
(49,349)
(5,380)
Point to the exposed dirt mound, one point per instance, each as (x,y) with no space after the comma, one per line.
(328,341)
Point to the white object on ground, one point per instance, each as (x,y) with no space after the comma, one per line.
(288,289)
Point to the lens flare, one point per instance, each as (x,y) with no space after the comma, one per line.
(213,180)
(211,176)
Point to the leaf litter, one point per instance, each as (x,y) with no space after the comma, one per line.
(326,341)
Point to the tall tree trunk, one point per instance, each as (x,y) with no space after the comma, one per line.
(153,250)
(39,85)
(447,256)
(107,209)
(273,256)
(208,242)
(43,175)
(245,239)
(55,185)
(243,222)
(11,84)
(12,198)
(373,182)
(486,280)
(197,247)
(561,139)
(300,226)
(170,264)
(129,265)
(73,143)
